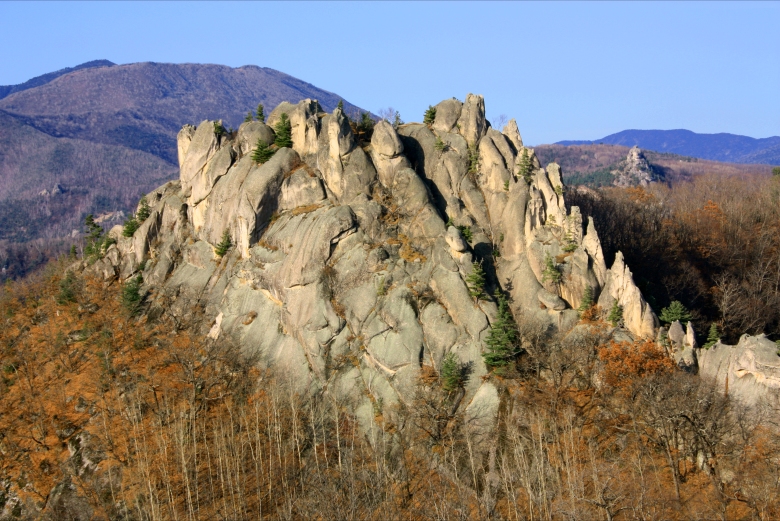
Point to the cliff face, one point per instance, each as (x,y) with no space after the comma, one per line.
(350,259)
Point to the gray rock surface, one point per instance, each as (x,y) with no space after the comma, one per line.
(749,371)
(340,250)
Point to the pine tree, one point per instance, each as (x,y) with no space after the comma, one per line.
(587,300)
(439,145)
(249,117)
(131,225)
(430,115)
(131,295)
(397,121)
(476,281)
(675,311)
(219,130)
(283,131)
(67,289)
(262,152)
(365,126)
(144,211)
(713,337)
(525,166)
(451,373)
(503,338)
(615,314)
(340,106)
(94,239)
(260,114)
(551,272)
(224,245)
(72,253)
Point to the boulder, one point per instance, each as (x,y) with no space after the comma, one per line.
(447,115)
(513,135)
(250,132)
(203,144)
(550,301)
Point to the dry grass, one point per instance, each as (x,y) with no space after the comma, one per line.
(306,209)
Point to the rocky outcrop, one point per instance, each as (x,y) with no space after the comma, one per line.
(749,371)
(638,316)
(634,170)
(351,257)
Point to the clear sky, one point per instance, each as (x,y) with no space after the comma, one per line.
(564,70)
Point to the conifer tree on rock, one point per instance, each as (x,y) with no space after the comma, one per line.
(224,245)
(675,311)
(476,281)
(502,343)
(283,130)
(430,115)
(260,114)
(248,117)
(713,337)
(526,167)
(262,152)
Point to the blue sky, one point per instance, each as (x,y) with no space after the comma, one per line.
(564,70)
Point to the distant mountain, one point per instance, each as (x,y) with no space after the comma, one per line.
(7,90)
(106,133)
(730,148)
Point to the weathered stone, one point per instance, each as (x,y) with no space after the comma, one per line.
(472,123)
(513,134)
(455,240)
(551,301)
(447,115)
(749,371)
(250,132)
(638,317)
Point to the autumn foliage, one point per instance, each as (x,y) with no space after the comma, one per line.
(108,416)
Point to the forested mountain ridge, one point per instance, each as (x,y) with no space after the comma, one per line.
(335,319)
(731,148)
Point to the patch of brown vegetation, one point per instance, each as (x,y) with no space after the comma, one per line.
(306,209)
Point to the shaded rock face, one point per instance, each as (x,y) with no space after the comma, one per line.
(749,371)
(341,256)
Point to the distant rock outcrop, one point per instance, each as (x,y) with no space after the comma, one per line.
(634,170)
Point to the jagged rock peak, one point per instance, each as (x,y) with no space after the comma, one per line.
(359,246)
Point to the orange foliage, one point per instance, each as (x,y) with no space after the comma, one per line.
(625,362)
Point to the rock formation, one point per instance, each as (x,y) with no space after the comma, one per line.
(748,371)
(343,272)
(634,170)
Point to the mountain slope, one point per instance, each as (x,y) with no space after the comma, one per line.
(107,133)
(7,90)
(143,105)
(731,148)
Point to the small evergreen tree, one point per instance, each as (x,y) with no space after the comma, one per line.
(260,114)
(340,106)
(283,130)
(451,373)
(615,314)
(248,117)
(219,130)
(587,300)
(473,159)
(67,289)
(365,126)
(525,166)
(713,337)
(72,253)
(776,171)
(131,225)
(439,145)
(397,121)
(262,152)
(476,281)
(94,238)
(551,272)
(675,311)
(144,211)
(502,342)
(131,295)
(224,245)
(465,231)
(430,115)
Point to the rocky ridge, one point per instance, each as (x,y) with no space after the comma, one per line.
(350,260)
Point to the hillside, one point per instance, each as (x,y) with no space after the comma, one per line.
(320,319)
(106,133)
(724,147)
